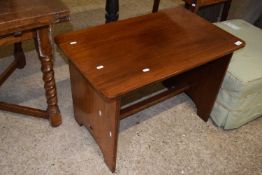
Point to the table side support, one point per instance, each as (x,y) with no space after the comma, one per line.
(205,90)
(44,48)
(100,116)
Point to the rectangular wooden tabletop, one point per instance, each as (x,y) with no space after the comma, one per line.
(120,57)
(26,14)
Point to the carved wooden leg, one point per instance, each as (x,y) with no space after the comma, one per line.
(207,83)
(112,8)
(156,6)
(100,116)
(44,48)
(19,55)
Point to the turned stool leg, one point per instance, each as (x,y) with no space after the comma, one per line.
(44,48)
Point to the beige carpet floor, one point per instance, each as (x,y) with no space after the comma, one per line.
(166,139)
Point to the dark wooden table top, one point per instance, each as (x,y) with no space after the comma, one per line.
(168,43)
(18,15)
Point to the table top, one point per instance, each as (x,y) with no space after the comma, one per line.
(123,56)
(18,15)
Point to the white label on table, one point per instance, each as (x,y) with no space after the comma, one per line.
(238,43)
(99,67)
(73,42)
(100,113)
(146,70)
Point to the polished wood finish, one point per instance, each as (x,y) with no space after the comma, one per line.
(204,92)
(27,35)
(195,5)
(180,49)
(22,20)
(145,43)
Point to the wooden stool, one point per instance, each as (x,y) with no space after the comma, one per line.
(23,20)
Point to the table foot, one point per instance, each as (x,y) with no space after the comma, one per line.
(55,119)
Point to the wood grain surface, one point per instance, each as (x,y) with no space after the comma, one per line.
(16,15)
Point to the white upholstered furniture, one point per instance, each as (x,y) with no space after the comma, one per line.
(240,97)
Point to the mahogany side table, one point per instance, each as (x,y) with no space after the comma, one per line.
(22,20)
(109,61)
